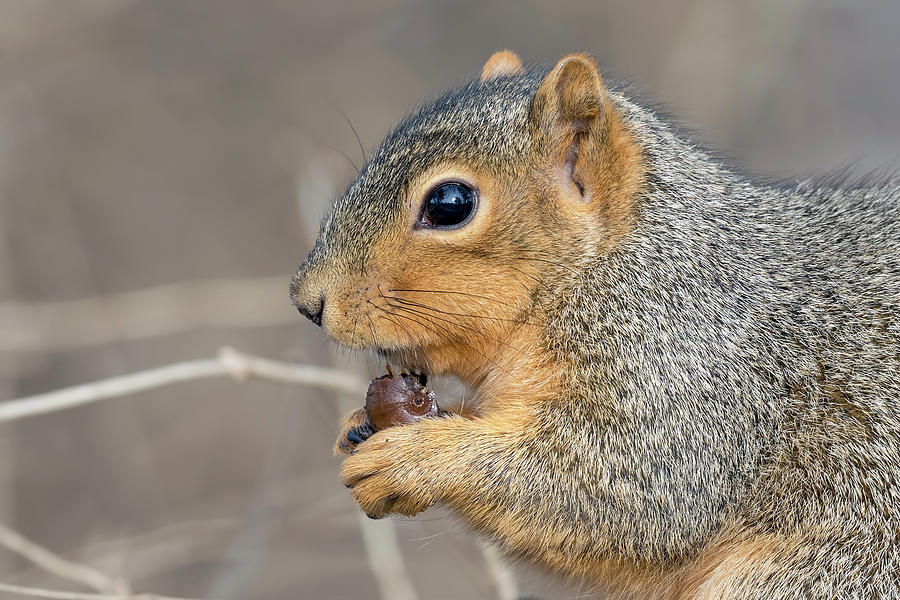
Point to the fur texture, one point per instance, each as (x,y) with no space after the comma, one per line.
(687,384)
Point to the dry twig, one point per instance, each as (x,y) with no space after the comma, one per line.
(60,566)
(33,592)
(382,548)
(498,569)
(380,541)
(229,362)
(141,314)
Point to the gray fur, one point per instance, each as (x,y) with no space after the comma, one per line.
(735,359)
(480,122)
(743,350)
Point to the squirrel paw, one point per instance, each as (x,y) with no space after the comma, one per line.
(386,475)
(355,429)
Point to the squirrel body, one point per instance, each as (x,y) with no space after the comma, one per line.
(686,383)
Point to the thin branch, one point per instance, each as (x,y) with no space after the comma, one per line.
(58,565)
(32,592)
(504,579)
(380,540)
(385,558)
(229,362)
(147,313)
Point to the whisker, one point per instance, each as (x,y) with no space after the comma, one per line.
(388,317)
(389,314)
(349,160)
(372,329)
(447,292)
(431,318)
(454,314)
(430,325)
(391,318)
(353,129)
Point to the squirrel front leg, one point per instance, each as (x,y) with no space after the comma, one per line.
(489,470)
(408,468)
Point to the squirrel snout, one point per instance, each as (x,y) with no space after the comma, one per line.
(309,303)
(313,311)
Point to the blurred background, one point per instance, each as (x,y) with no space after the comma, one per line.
(163,167)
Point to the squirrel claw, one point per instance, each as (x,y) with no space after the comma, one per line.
(351,482)
(360,433)
(355,429)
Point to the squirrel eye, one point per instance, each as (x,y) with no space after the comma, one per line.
(448,205)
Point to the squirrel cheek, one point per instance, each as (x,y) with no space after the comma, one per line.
(356,316)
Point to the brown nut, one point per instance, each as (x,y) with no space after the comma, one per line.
(399,400)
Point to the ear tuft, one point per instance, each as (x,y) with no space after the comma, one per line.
(500,63)
(571,94)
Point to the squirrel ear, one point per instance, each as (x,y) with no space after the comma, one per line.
(570,95)
(504,62)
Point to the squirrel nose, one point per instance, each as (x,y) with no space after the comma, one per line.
(307,298)
(313,311)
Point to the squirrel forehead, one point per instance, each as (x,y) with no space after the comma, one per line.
(481,121)
(482,124)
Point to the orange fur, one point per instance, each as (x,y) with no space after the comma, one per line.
(492,336)
(573,107)
(724,564)
(579,450)
(468,334)
(505,62)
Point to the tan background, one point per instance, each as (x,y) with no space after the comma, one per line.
(149,142)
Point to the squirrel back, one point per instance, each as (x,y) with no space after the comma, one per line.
(685,383)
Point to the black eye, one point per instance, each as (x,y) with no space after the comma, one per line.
(448,205)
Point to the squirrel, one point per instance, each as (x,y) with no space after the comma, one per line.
(685,383)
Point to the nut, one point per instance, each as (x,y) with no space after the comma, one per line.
(399,400)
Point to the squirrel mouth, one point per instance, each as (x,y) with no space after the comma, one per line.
(401,359)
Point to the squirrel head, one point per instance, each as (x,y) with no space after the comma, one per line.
(472,212)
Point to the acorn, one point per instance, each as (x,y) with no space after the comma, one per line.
(399,400)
